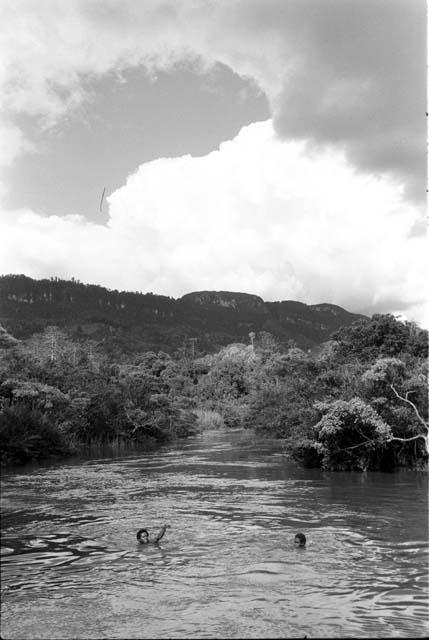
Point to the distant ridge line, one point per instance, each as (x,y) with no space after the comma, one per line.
(148,321)
(75,281)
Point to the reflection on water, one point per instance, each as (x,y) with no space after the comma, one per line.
(72,568)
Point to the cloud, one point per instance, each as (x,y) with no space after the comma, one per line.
(301,209)
(361,82)
(349,74)
(259,215)
(12,144)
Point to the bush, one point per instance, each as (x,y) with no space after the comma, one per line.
(282,412)
(27,435)
(306,452)
(351,436)
(207,419)
(234,413)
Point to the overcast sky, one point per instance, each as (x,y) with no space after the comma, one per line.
(274,147)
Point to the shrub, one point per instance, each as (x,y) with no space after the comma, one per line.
(306,452)
(208,419)
(27,435)
(351,435)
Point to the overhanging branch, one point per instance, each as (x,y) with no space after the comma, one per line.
(419,417)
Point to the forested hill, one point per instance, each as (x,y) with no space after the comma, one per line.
(129,321)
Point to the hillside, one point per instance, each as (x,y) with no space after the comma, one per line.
(132,321)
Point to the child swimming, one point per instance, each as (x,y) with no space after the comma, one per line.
(300,540)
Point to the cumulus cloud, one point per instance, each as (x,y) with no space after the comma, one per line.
(351,74)
(12,144)
(259,215)
(300,209)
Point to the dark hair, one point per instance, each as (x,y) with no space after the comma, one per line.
(302,539)
(139,534)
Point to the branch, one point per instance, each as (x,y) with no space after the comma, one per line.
(135,425)
(419,435)
(416,411)
(421,420)
(149,426)
(355,445)
(364,436)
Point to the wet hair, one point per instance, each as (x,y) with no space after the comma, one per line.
(300,537)
(139,536)
(146,539)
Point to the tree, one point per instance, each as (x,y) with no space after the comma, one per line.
(387,375)
(266,344)
(7,341)
(252,336)
(423,422)
(27,434)
(35,394)
(382,335)
(385,371)
(350,435)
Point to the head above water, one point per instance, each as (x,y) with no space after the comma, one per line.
(145,534)
(300,540)
(144,538)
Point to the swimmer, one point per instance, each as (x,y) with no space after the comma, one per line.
(143,535)
(300,540)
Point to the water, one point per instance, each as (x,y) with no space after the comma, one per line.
(227,568)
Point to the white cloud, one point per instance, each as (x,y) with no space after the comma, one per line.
(13,143)
(258,215)
(352,74)
(284,220)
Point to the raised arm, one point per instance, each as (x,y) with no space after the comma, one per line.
(161,533)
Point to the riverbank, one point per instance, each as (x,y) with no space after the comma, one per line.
(358,402)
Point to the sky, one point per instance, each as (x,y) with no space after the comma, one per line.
(274,147)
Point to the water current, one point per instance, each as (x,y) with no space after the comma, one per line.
(227,567)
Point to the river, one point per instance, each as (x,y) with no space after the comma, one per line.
(227,567)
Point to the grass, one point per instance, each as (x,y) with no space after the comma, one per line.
(208,419)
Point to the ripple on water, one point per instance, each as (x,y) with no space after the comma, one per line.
(227,567)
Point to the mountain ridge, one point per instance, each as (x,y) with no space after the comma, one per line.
(143,321)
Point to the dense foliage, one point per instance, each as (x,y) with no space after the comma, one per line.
(131,321)
(356,402)
(359,402)
(57,395)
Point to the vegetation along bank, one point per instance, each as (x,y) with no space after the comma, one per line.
(357,401)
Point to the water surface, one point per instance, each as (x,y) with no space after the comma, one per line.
(227,568)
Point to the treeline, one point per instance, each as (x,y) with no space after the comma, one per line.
(358,401)
(130,322)
(58,395)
